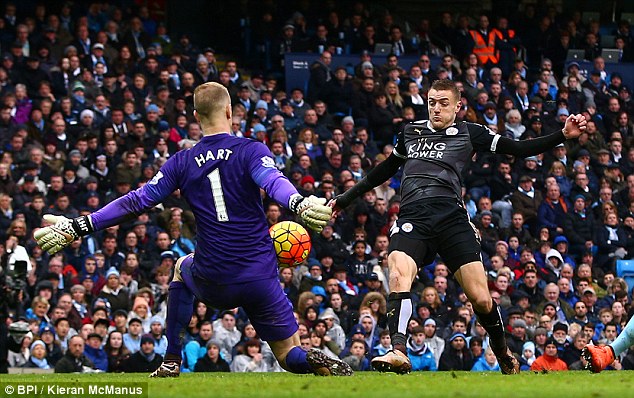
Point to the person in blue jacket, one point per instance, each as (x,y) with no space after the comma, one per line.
(487,362)
(421,356)
(95,352)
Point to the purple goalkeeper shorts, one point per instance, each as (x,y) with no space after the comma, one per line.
(264,301)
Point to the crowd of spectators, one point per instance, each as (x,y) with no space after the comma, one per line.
(95,101)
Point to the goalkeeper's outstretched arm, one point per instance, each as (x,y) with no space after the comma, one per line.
(64,231)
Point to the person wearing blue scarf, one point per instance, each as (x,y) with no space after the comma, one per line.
(419,353)
(38,356)
(95,353)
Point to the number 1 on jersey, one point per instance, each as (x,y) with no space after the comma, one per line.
(219,197)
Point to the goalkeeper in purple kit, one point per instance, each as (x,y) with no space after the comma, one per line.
(234,263)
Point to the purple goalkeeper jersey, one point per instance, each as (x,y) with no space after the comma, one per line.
(220,178)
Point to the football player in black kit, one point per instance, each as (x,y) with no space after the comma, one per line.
(433,219)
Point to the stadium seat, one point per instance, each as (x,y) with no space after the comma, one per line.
(625,270)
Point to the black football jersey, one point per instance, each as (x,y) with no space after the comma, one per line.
(435,159)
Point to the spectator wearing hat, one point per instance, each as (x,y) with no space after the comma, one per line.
(212,361)
(74,160)
(560,334)
(528,356)
(456,355)
(145,360)
(313,277)
(490,117)
(261,112)
(550,360)
(95,353)
(53,348)
(615,177)
(602,161)
(202,73)
(287,42)
(374,284)
(334,329)
(96,56)
(489,232)
(357,333)
(299,104)
(518,336)
(589,298)
(116,294)
(535,127)
(561,244)
(432,340)
(37,358)
(132,338)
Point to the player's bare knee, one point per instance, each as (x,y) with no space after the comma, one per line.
(482,303)
(401,271)
(401,264)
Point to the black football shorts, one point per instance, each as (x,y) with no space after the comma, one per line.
(439,226)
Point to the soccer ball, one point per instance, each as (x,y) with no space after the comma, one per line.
(291,243)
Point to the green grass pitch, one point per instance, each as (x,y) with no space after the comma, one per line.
(363,385)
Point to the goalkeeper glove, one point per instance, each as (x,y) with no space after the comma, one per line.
(62,233)
(312,210)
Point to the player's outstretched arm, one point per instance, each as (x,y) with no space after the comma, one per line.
(62,232)
(575,125)
(375,177)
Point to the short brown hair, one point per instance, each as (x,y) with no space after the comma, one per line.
(417,329)
(446,84)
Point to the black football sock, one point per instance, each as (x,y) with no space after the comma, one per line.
(493,324)
(399,311)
